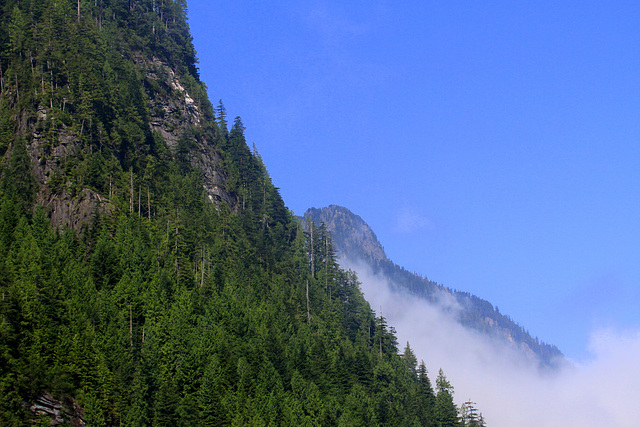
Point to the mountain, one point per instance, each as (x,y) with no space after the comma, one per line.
(150,272)
(356,243)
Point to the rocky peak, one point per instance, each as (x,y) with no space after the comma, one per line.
(352,236)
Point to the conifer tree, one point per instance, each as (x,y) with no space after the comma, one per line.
(470,416)
(221,113)
(425,396)
(445,411)
(410,358)
(18,181)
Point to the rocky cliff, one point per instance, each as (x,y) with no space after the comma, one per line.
(352,236)
(116,102)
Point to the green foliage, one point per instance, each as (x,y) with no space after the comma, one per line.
(425,397)
(445,411)
(142,330)
(17,181)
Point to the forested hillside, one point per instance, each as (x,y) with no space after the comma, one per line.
(150,273)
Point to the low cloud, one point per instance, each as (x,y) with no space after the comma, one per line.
(507,386)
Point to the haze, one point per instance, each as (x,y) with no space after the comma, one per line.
(509,388)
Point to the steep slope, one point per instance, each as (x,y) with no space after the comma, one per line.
(150,273)
(100,90)
(356,242)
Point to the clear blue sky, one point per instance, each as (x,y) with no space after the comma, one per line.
(492,146)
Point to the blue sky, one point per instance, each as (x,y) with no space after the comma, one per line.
(492,146)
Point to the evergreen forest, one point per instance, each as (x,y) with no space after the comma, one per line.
(150,272)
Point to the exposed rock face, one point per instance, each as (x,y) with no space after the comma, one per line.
(173,114)
(177,113)
(207,160)
(170,115)
(73,212)
(353,238)
(46,157)
(58,412)
(65,210)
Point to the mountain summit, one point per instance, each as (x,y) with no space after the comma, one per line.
(351,235)
(356,244)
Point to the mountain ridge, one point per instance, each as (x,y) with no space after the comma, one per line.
(357,242)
